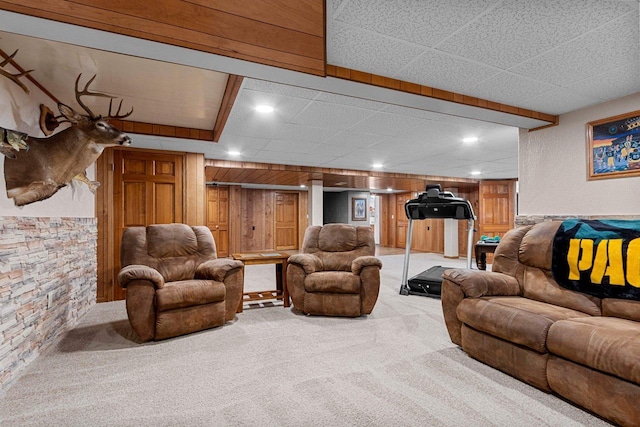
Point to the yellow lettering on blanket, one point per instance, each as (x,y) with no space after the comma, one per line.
(607,261)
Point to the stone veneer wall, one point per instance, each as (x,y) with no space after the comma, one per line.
(48,279)
(534,219)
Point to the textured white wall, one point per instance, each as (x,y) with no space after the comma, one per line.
(553,168)
(21,111)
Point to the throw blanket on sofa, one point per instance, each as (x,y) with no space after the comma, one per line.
(598,257)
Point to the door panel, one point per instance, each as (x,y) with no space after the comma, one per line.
(497,208)
(286,221)
(147,190)
(218,217)
(402,223)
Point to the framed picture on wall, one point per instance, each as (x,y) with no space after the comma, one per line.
(613,146)
(359,209)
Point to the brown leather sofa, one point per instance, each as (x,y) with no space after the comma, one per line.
(336,274)
(520,321)
(175,283)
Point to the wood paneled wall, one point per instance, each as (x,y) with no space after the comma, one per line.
(284,33)
(257,219)
(428,235)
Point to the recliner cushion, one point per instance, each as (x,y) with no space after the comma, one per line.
(514,319)
(188,293)
(341,282)
(607,344)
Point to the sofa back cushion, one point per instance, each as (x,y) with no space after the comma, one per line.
(625,309)
(525,253)
(174,250)
(337,245)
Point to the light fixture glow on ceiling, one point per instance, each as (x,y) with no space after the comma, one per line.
(377,165)
(470,140)
(303,186)
(475,172)
(233,152)
(389,189)
(264,109)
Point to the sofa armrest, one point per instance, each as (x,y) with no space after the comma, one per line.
(365,261)
(477,283)
(140,272)
(308,262)
(217,269)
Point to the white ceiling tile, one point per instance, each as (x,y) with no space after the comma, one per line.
(278,89)
(382,123)
(506,87)
(559,101)
(612,45)
(285,107)
(355,139)
(332,116)
(615,83)
(517,30)
(442,71)
(350,101)
(417,21)
(290,146)
(306,133)
(366,51)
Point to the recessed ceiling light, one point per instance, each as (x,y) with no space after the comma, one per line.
(389,189)
(264,109)
(233,152)
(470,140)
(303,186)
(475,172)
(377,165)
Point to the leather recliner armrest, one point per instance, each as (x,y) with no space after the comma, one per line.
(309,262)
(140,272)
(364,261)
(477,283)
(216,269)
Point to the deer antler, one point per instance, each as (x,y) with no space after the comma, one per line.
(117,115)
(14,77)
(85,91)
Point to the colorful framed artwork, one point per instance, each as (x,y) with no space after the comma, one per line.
(359,209)
(613,147)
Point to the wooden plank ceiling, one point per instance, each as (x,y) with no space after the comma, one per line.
(283,33)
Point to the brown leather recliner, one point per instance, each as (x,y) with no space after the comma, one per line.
(175,283)
(336,274)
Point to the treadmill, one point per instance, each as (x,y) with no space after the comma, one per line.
(434,203)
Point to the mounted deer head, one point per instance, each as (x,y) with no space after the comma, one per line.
(52,163)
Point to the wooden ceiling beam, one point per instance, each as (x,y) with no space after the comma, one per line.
(228,99)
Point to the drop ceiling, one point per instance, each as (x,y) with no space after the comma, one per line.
(552,56)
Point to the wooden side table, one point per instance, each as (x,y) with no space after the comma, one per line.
(257,258)
(481,250)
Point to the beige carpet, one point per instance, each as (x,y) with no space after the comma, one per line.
(273,367)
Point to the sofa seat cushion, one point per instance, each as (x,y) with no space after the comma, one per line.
(607,344)
(342,282)
(186,293)
(515,319)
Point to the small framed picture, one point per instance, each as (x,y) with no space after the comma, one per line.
(359,209)
(613,147)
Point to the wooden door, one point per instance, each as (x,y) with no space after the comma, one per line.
(147,190)
(402,222)
(218,217)
(497,207)
(286,221)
